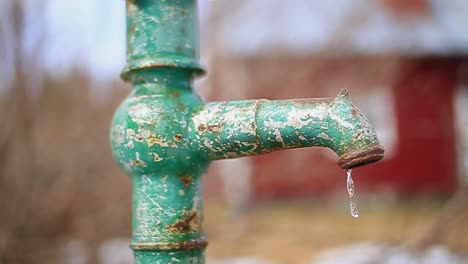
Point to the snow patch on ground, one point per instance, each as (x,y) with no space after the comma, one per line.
(115,251)
(239,260)
(386,254)
(75,252)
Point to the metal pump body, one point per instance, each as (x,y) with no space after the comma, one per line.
(164,136)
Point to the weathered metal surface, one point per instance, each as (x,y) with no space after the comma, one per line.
(241,128)
(164,137)
(162,34)
(151,142)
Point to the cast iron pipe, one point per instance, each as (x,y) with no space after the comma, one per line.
(164,136)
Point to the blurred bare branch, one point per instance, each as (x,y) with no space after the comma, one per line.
(45,163)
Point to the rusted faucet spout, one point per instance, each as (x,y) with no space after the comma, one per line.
(242,128)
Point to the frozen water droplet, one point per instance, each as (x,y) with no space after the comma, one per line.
(353,209)
(350,183)
(350,187)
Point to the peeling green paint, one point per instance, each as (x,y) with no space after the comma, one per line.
(164,136)
(240,128)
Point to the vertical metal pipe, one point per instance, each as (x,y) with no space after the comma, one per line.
(162,34)
(149,136)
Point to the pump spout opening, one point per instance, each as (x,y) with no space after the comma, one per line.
(358,158)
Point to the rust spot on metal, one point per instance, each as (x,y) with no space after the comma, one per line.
(132,134)
(215,128)
(157,158)
(358,135)
(176,94)
(131,6)
(182,107)
(178,137)
(353,112)
(253,125)
(152,141)
(353,159)
(186,180)
(138,162)
(185,225)
(201,127)
(343,93)
(155,140)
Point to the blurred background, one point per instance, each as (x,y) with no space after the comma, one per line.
(405,62)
